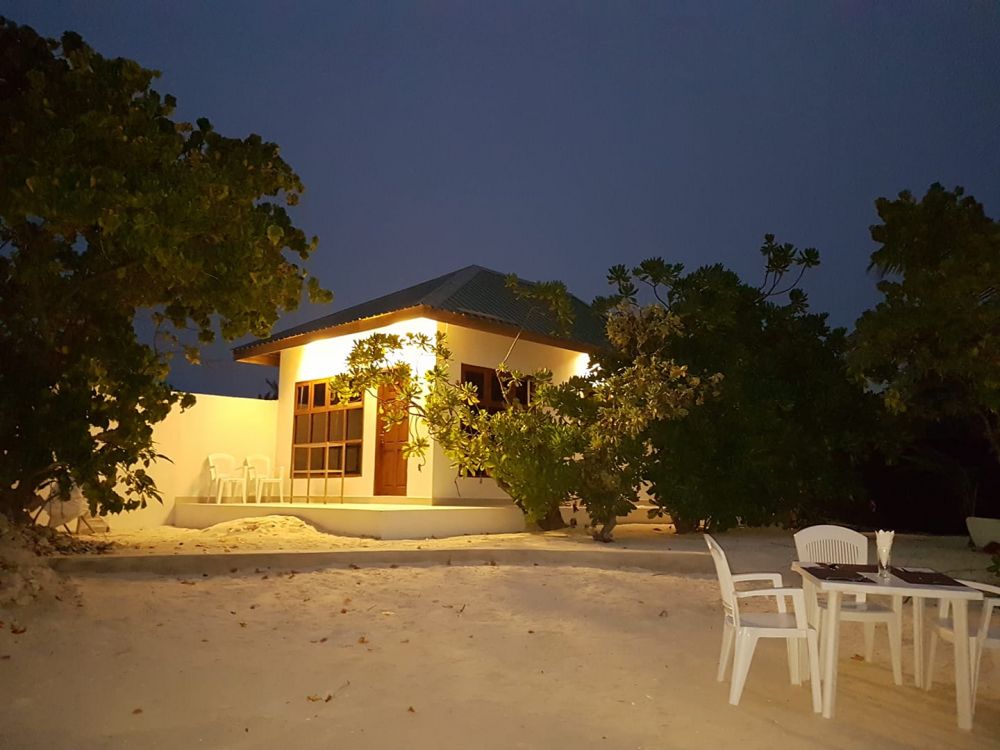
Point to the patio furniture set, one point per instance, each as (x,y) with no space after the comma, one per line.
(255,471)
(836,585)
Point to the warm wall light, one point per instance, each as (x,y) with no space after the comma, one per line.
(582,364)
(326,357)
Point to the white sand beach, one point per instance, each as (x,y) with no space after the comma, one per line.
(443,656)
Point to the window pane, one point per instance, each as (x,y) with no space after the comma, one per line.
(300,461)
(477,379)
(302,396)
(336,456)
(319,394)
(496,392)
(355,424)
(317,459)
(319,434)
(336,426)
(353,459)
(301,428)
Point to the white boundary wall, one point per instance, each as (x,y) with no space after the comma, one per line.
(215,424)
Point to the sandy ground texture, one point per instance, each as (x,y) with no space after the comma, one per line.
(422,656)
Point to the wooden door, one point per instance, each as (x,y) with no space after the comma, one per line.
(390,463)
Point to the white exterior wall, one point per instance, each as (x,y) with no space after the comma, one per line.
(433,478)
(327,357)
(215,424)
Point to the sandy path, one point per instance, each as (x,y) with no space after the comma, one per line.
(486,656)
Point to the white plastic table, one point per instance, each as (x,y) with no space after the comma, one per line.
(959,596)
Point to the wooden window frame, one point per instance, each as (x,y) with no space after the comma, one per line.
(312,401)
(491,399)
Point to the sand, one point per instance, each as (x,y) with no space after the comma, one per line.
(434,656)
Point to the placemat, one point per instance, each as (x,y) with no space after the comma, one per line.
(925,577)
(828,572)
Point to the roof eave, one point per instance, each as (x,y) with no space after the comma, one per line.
(268,352)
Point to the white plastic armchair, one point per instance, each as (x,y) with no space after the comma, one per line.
(259,468)
(980,636)
(835,544)
(225,473)
(741,631)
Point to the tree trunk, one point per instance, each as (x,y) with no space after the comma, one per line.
(606,532)
(553,519)
(683,526)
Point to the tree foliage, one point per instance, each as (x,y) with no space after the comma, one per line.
(776,444)
(109,207)
(932,345)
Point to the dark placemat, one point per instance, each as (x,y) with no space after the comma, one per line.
(827,572)
(925,577)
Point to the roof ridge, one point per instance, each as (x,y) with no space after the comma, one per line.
(451,284)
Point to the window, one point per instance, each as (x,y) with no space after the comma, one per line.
(326,435)
(490,391)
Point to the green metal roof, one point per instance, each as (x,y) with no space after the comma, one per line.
(476,293)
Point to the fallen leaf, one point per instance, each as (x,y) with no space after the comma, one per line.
(136,710)
(232,611)
(5,656)
(17,629)
(531,631)
(362,639)
(394,565)
(188,583)
(352,566)
(313,698)
(243,624)
(664,613)
(857,657)
(343,611)
(233,570)
(328,698)
(412,710)
(405,640)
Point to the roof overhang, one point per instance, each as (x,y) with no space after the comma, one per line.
(268,352)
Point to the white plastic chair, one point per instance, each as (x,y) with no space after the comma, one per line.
(980,637)
(744,629)
(227,473)
(835,544)
(259,468)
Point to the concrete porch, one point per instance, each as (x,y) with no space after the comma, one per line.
(406,519)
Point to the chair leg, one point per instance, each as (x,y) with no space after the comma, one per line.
(814,682)
(929,666)
(975,661)
(895,649)
(869,641)
(745,645)
(794,673)
(727,650)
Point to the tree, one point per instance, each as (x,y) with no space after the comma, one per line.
(580,440)
(109,208)
(777,442)
(931,347)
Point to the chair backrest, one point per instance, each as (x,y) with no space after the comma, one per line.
(831,544)
(726,585)
(221,465)
(260,466)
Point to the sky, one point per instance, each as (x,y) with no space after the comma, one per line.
(555,139)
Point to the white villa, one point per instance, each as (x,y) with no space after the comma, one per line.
(341,471)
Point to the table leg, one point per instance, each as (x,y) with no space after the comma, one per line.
(832,636)
(963,680)
(918,641)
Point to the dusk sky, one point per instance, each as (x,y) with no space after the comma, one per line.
(554,139)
